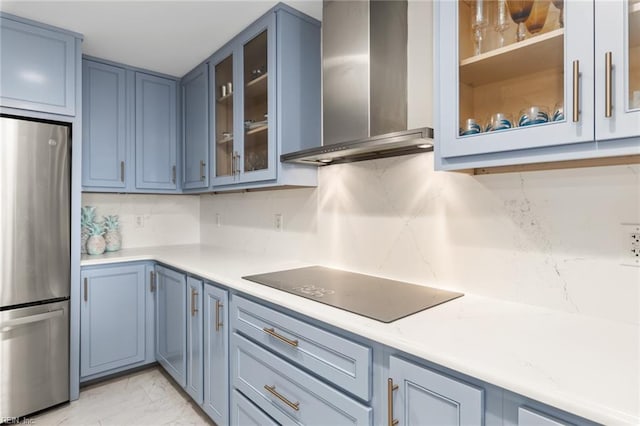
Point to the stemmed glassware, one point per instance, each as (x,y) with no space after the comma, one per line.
(479,23)
(560,5)
(538,16)
(501,20)
(520,11)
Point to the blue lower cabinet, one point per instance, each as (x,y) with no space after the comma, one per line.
(194,386)
(171,323)
(245,413)
(529,417)
(216,354)
(288,394)
(420,396)
(113,323)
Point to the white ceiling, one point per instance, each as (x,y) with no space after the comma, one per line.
(170,37)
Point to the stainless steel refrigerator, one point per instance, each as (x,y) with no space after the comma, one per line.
(35,163)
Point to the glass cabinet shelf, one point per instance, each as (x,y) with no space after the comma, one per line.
(225,98)
(514,60)
(257,87)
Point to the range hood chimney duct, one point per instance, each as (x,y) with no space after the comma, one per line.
(364,65)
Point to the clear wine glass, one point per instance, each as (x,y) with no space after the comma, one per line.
(520,11)
(501,20)
(538,16)
(559,4)
(479,23)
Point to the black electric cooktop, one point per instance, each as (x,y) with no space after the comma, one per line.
(373,297)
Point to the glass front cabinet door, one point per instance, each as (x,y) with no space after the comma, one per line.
(517,80)
(244,93)
(617,62)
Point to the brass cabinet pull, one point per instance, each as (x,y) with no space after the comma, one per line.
(218,322)
(202,174)
(608,84)
(173,174)
(233,164)
(271,331)
(272,391)
(122,171)
(85,289)
(193,302)
(390,388)
(152,281)
(576,91)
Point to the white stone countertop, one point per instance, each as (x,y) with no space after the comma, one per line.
(584,365)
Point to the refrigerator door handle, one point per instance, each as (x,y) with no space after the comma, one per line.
(9,324)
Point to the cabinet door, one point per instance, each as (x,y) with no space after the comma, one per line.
(245,413)
(194,340)
(507,96)
(257,155)
(195,128)
(424,397)
(112,323)
(216,354)
(617,60)
(38,68)
(156,141)
(225,121)
(171,326)
(103,125)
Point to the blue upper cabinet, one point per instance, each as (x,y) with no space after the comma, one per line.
(104,135)
(535,92)
(265,96)
(195,128)
(38,66)
(129,129)
(156,138)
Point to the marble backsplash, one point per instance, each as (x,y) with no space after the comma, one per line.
(167,219)
(548,238)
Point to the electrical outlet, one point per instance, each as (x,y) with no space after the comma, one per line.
(631,240)
(218,220)
(139,221)
(278,222)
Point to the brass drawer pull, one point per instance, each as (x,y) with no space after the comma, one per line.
(218,322)
(271,331)
(272,391)
(193,302)
(390,388)
(608,84)
(152,281)
(576,91)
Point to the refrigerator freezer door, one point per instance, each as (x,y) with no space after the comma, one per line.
(34,218)
(34,358)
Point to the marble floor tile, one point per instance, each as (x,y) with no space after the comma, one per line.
(146,397)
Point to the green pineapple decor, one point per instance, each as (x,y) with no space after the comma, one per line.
(112,235)
(87,217)
(96,243)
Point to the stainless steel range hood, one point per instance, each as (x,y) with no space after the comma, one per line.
(364,104)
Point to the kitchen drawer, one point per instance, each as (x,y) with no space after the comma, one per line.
(528,417)
(334,358)
(288,394)
(245,413)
